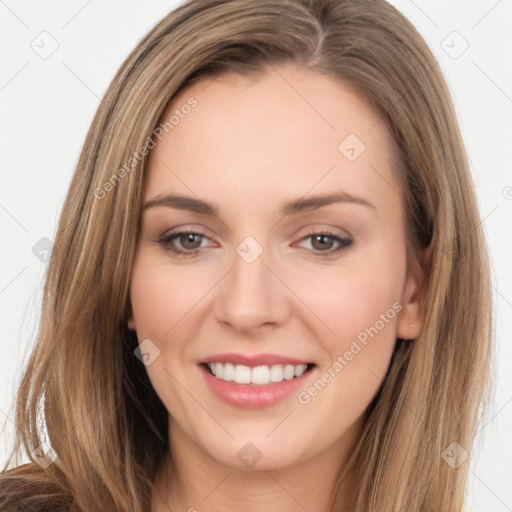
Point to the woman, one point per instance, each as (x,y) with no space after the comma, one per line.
(340,377)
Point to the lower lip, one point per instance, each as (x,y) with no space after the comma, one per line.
(253,397)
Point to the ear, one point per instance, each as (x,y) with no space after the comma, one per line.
(410,319)
(131,323)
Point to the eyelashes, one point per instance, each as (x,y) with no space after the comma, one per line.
(343,243)
(168,242)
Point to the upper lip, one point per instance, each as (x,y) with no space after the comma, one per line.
(254,360)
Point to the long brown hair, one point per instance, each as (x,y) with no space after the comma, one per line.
(85,392)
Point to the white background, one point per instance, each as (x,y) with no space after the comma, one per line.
(48,103)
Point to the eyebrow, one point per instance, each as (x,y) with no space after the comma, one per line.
(291,208)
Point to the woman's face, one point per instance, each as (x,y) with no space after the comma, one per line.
(299,299)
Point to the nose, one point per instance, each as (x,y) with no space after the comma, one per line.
(251,297)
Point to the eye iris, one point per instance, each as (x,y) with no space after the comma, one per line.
(322,237)
(189,237)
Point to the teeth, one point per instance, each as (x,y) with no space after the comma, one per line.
(300,369)
(219,370)
(259,375)
(242,374)
(276,373)
(289,371)
(228,372)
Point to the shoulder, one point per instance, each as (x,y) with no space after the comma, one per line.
(27,489)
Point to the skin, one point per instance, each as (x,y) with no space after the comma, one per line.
(248,146)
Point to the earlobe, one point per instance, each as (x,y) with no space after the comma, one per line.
(131,320)
(410,320)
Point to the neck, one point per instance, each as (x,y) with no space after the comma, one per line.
(193,481)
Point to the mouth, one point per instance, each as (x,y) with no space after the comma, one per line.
(256,376)
(255,385)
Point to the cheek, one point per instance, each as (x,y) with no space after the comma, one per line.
(162,295)
(352,299)
(358,309)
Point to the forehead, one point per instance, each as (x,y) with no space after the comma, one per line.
(281,134)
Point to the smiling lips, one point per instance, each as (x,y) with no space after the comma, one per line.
(253,381)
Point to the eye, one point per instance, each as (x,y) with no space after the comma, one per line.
(190,242)
(324,240)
